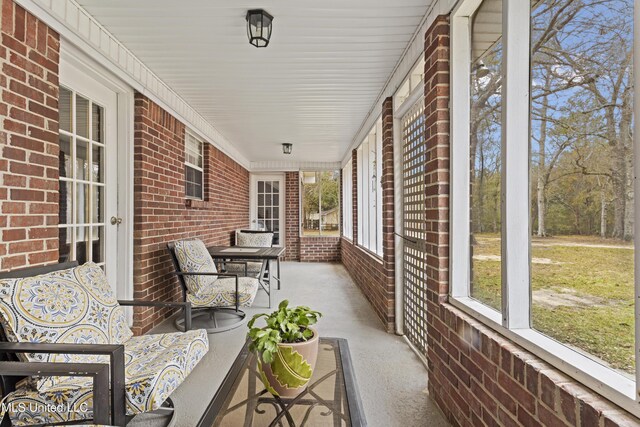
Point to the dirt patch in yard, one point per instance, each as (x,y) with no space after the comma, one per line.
(565,298)
(534,260)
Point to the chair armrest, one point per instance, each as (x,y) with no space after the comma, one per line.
(142,303)
(200,273)
(186,305)
(98,371)
(116,362)
(235,276)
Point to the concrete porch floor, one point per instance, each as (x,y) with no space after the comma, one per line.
(391,379)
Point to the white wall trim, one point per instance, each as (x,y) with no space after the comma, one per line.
(79,28)
(404,66)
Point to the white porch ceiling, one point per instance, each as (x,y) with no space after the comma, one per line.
(312,86)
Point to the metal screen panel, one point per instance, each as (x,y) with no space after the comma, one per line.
(414,224)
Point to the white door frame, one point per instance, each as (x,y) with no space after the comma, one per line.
(253,208)
(73,60)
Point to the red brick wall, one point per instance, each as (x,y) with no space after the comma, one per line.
(373,275)
(367,271)
(388,214)
(476,376)
(319,249)
(292,216)
(162,213)
(29,54)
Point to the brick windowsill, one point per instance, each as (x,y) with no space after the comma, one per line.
(320,237)
(198,204)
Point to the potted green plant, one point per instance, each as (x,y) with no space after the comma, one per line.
(287,348)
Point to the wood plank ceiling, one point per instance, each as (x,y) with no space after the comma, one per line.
(312,86)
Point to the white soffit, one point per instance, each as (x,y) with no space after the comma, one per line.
(413,52)
(313,86)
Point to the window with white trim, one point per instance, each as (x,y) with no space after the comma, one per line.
(193,167)
(347,200)
(320,202)
(543,229)
(369,170)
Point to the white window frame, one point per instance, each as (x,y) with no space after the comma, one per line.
(370,191)
(191,136)
(514,320)
(347,200)
(301,207)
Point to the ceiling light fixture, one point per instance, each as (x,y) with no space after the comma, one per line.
(287,148)
(259,27)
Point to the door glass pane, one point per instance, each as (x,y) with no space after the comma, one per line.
(96,122)
(97,163)
(82,160)
(64,249)
(98,243)
(82,116)
(65,213)
(582,198)
(64,104)
(82,248)
(65,156)
(485,152)
(82,203)
(97,203)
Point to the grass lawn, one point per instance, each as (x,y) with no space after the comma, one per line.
(582,291)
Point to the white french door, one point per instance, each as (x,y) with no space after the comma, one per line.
(267,205)
(88,165)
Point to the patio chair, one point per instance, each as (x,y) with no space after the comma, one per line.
(67,354)
(214,294)
(252,238)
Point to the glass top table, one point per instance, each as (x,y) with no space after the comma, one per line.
(331,399)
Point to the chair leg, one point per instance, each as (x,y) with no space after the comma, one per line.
(212,313)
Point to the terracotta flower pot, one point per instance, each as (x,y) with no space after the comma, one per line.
(289,373)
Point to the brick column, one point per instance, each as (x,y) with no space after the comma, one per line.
(436,94)
(437,177)
(292,216)
(354,186)
(388,206)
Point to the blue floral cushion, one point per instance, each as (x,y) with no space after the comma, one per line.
(155,365)
(76,305)
(193,257)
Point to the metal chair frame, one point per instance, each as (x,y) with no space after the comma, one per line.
(197,312)
(108,380)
